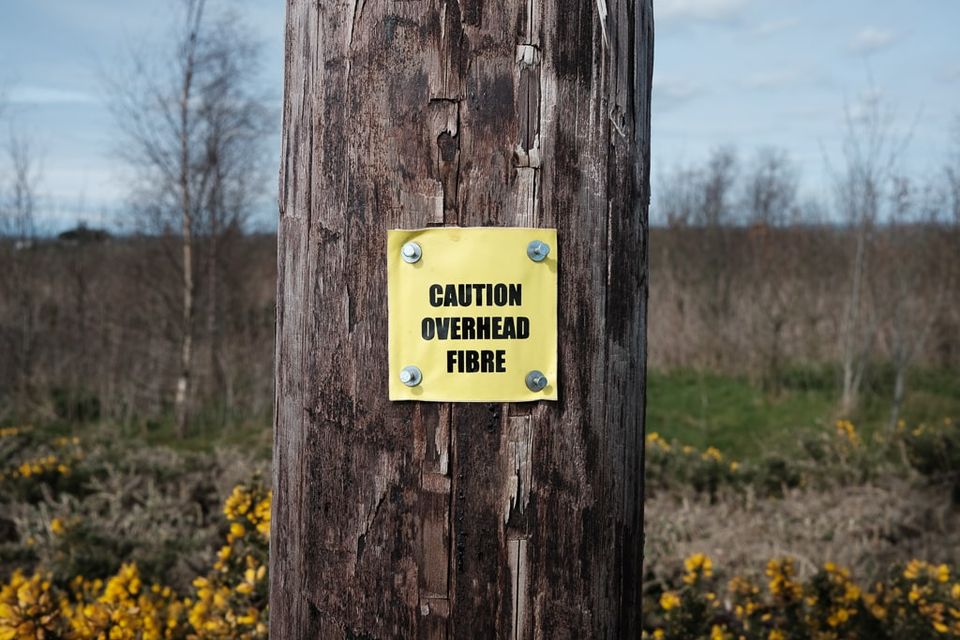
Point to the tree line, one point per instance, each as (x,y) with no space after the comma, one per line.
(748,277)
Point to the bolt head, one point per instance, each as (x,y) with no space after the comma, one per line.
(411,376)
(536,381)
(538,250)
(411,252)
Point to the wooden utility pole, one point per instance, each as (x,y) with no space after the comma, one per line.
(430,520)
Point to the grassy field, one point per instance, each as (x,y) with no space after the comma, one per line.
(741,419)
(696,408)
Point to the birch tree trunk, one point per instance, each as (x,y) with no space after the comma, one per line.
(419,520)
(187,71)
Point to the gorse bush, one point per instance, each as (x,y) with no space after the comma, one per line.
(104,539)
(669,464)
(85,508)
(228,601)
(107,538)
(836,457)
(33,464)
(934,451)
(917,602)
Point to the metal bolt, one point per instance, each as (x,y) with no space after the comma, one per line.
(411,252)
(536,381)
(538,251)
(411,376)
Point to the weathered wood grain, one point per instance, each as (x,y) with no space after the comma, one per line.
(410,520)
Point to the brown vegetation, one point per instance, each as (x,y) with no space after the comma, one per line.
(91,329)
(90,325)
(782,292)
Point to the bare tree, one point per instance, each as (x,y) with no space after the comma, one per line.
(770,203)
(680,196)
(700,203)
(19,306)
(18,214)
(235,122)
(952,174)
(869,156)
(718,207)
(911,277)
(948,326)
(700,196)
(770,189)
(194,124)
(718,214)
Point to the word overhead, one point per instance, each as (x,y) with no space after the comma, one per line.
(472,314)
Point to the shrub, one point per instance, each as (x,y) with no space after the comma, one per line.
(670,464)
(87,507)
(228,601)
(919,601)
(934,451)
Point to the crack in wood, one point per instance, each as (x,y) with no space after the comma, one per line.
(387,475)
(519,457)
(356,13)
(445,114)
(602,13)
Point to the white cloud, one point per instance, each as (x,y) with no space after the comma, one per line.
(769,28)
(48,95)
(699,10)
(872,39)
(669,93)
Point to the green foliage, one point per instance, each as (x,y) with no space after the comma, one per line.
(934,451)
(136,503)
(75,405)
(706,409)
(832,457)
(210,430)
(85,506)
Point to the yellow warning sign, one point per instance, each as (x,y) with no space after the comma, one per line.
(472,314)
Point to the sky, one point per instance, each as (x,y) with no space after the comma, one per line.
(787,73)
(57,58)
(747,73)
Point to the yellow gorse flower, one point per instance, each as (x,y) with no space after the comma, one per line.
(782,584)
(698,566)
(230,602)
(918,569)
(669,600)
(712,453)
(654,439)
(848,432)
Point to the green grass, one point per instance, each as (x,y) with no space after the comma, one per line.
(706,409)
(698,408)
(254,436)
